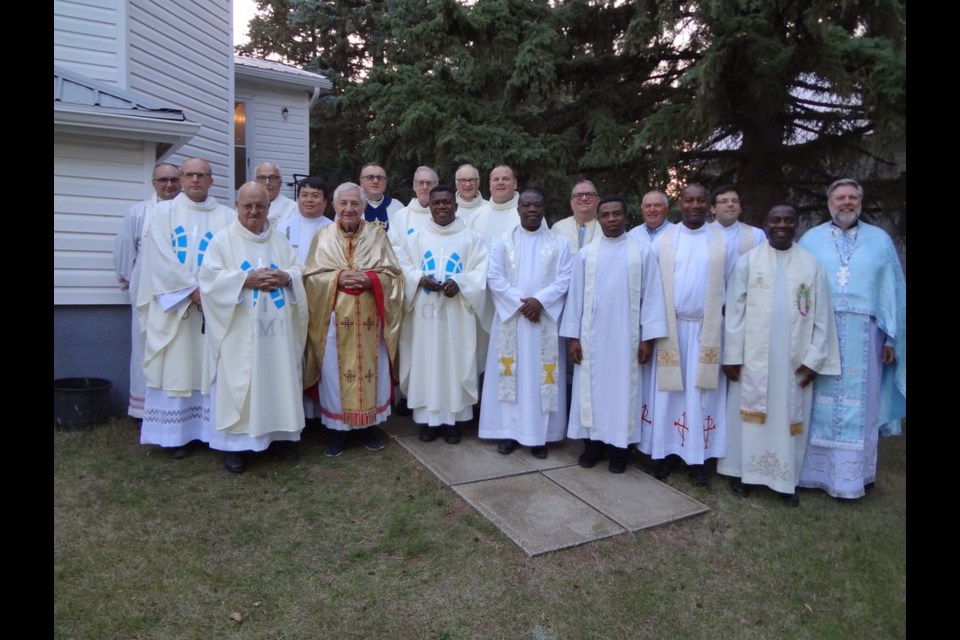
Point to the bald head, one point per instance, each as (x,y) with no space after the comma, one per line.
(253,205)
(268,174)
(196,179)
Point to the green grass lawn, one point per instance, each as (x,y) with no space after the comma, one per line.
(372,545)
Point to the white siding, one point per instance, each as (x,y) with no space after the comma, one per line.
(281,141)
(88,38)
(180,52)
(96,180)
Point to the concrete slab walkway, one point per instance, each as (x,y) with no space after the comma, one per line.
(545,505)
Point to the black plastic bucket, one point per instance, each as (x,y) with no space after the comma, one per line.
(80,401)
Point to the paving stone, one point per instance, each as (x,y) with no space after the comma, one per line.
(474,459)
(633,499)
(536,513)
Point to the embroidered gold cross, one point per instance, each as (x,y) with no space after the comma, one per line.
(346,323)
(350,376)
(368,376)
(369,323)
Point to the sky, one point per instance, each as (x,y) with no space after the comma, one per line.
(243,11)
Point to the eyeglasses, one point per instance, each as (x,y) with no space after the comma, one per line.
(372,178)
(271,178)
(168,180)
(190,175)
(586,195)
(467,180)
(424,183)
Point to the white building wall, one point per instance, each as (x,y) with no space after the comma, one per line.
(96,180)
(282,141)
(88,37)
(181,53)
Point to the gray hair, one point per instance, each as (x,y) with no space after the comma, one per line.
(663,196)
(421,169)
(845,182)
(347,186)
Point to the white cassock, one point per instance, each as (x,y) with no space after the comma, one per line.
(466,207)
(126,262)
(569,229)
(299,232)
(615,302)
(438,370)
(491,221)
(771,334)
(524,389)
(688,423)
(256,340)
(282,208)
(175,359)
(404,222)
(740,239)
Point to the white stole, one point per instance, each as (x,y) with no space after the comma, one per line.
(669,375)
(507,343)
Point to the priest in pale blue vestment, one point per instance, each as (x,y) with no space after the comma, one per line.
(869,299)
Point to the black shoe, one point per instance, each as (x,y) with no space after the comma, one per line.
(792,499)
(664,467)
(180,453)
(369,438)
(506,447)
(428,434)
(698,474)
(593,452)
(452,436)
(234,462)
(400,408)
(618,460)
(738,488)
(338,442)
(539,452)
(285,450)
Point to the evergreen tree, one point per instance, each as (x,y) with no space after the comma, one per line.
(778,96)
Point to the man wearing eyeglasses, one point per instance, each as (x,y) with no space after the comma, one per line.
(416,214)
(373,181)
(178,234)
(579,228)
(468,190)
(281,207)
(126,253)
(725,207)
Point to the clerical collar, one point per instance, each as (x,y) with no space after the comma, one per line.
(374,203)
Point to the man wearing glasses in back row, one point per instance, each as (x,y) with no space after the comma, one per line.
(281,207)
(373,182)
(126,261)
(579,229)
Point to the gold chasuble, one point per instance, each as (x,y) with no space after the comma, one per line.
(360,315)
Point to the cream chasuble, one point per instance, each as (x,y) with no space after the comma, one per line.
(438,368)
(256,338)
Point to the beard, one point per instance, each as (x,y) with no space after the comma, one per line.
(845,219)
